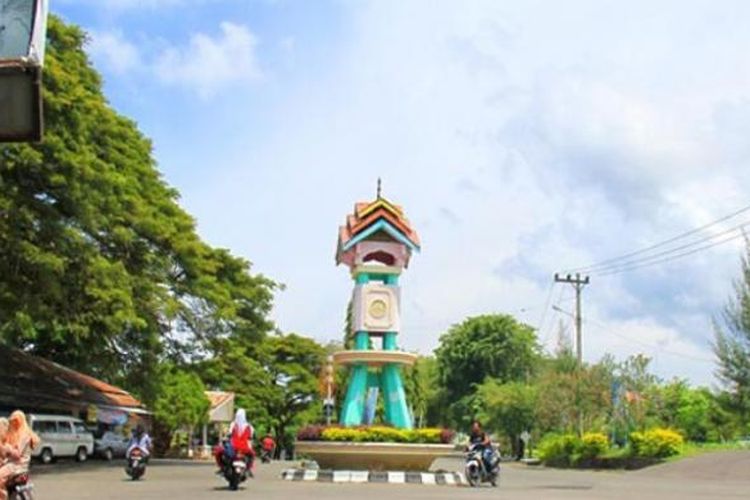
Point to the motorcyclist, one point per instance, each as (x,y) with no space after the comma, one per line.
(268,445)
(141,440)
(240,440)
(478,439)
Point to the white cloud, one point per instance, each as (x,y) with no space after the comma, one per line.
(521,138)
(111,51)
(208,65)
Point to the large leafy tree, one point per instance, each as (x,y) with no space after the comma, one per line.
(181,404)
(276,380)
(423,391)
(508,408)
(732,343)
(100,268)
(494,346)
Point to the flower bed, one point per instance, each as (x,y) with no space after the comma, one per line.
(375,434)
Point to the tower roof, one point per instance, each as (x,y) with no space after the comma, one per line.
(378,220)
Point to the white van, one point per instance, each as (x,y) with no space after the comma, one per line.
(61,437)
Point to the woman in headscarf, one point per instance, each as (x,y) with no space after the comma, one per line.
(240,438)
(19,442)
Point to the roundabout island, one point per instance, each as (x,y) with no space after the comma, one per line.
(376,243)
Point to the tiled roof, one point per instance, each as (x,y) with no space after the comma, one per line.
(27,380)
(368,214)
(218,398)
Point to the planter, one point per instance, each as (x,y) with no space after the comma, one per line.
(373,456)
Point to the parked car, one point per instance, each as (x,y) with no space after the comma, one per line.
(61,436)
(111,445)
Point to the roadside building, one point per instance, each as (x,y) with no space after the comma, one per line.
(37,385)
(219,417)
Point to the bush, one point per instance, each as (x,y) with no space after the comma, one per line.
(375,434)
(342,434)
(310,433)
(559,449)
(656,443)
(593,445)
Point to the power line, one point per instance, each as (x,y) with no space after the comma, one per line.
(546,306)
(609,262)
(659,350)
(557,303)
(672,257)
(629,262)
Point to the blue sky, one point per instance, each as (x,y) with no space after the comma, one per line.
(522,138)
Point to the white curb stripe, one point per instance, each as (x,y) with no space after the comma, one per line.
(396,477)
(428,478)
(342,476)
(360,476)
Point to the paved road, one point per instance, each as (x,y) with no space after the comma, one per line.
(719,475)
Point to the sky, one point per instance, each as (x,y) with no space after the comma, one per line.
(522,139)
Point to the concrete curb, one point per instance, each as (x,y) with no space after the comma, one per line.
(363,476)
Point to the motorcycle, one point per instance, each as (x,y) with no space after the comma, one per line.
(20,488)
(235,469)
(136,466)
(265,456)
(477,471)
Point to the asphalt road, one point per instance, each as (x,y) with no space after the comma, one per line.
(717,475)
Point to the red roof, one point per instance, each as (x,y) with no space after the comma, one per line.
(27,380)
(368,213)
(218,398)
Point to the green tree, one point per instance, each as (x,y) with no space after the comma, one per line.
(423,391)
(732,342)
(508,408)
(181,404)
(275,380)
(640,392)
(100,268)
(294,364)
(573,398)
(494,346)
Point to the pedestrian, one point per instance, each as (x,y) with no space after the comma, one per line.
(19,442)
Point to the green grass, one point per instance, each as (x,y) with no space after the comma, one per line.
(690,449)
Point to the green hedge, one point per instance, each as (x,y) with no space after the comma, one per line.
(568,449)
(593,445)
(656,443)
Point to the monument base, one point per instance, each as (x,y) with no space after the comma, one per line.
(374,456)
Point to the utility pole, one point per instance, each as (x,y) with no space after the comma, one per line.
(578,283)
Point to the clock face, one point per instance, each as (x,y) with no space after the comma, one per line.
(378,309)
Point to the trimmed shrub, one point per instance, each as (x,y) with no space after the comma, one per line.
(310,433)
(559,449)
(593,445)
(656,443)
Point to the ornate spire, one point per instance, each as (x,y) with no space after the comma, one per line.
(379,187)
